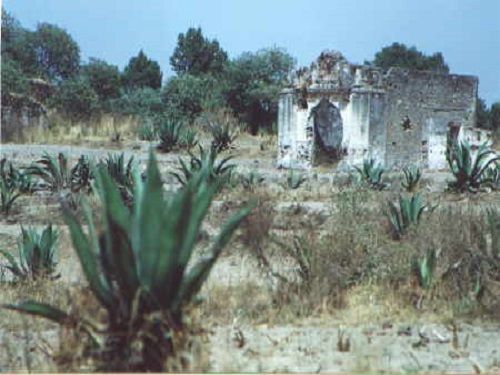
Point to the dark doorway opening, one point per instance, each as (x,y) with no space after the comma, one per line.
(328,131)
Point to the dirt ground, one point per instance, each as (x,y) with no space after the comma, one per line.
(380,339)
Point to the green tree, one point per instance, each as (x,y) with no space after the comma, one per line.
(399,55)
(186,96)
(75,98)
(482,114)
(195,54)
(495,116)
(254,81)
(143,102)
(104,79)
(57,54)
(13,78)
(142,72)
(17,45)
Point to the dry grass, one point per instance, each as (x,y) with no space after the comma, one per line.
(105,129)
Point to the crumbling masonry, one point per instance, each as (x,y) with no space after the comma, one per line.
(344,113)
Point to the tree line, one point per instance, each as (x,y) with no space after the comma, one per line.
(205,78)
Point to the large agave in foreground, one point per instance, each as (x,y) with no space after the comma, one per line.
(137,267)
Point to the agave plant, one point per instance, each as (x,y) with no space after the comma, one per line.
(188,139)
(218,171)
(147,131)
(121,173)
(137,268)
(294,180)
(222,130)
(406,214)
(15,178)
(468,169)
(248,180)
(424,268)
(8,195)
(169,133)
(37,253)
(491,176)
(371,173)
(54,171)
(82,175)
(412,175)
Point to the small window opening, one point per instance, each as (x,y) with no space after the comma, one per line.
(407,125)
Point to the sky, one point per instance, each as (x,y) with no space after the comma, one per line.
(467,32)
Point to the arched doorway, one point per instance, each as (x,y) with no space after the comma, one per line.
(328,129)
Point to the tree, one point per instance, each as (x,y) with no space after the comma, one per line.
(13,78)
(195,54)
(57,54)
(75,98)
(254,81)
(17,45)
(142,72)
(142,102)
(482,114)
(495,116)
(186,96)
(400,55)
(104,79)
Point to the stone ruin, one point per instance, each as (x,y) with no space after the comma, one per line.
(341,113)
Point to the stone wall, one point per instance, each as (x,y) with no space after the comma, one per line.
(398,117)
(419,108)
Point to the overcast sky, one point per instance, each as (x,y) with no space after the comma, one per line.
(467,32)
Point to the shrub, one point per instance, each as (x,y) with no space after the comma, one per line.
(408,213)
(371,174)
(36,254)
(187,96)
(468,170)
(218,172)
(143,102)
(137,269)
(412,175)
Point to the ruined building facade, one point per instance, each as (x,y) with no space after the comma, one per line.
(344,113)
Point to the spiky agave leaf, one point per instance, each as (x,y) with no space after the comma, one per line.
(13,266)
(88,260)
(192,283)
(425,268)
(40,309)
(8,196)
(468,170)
